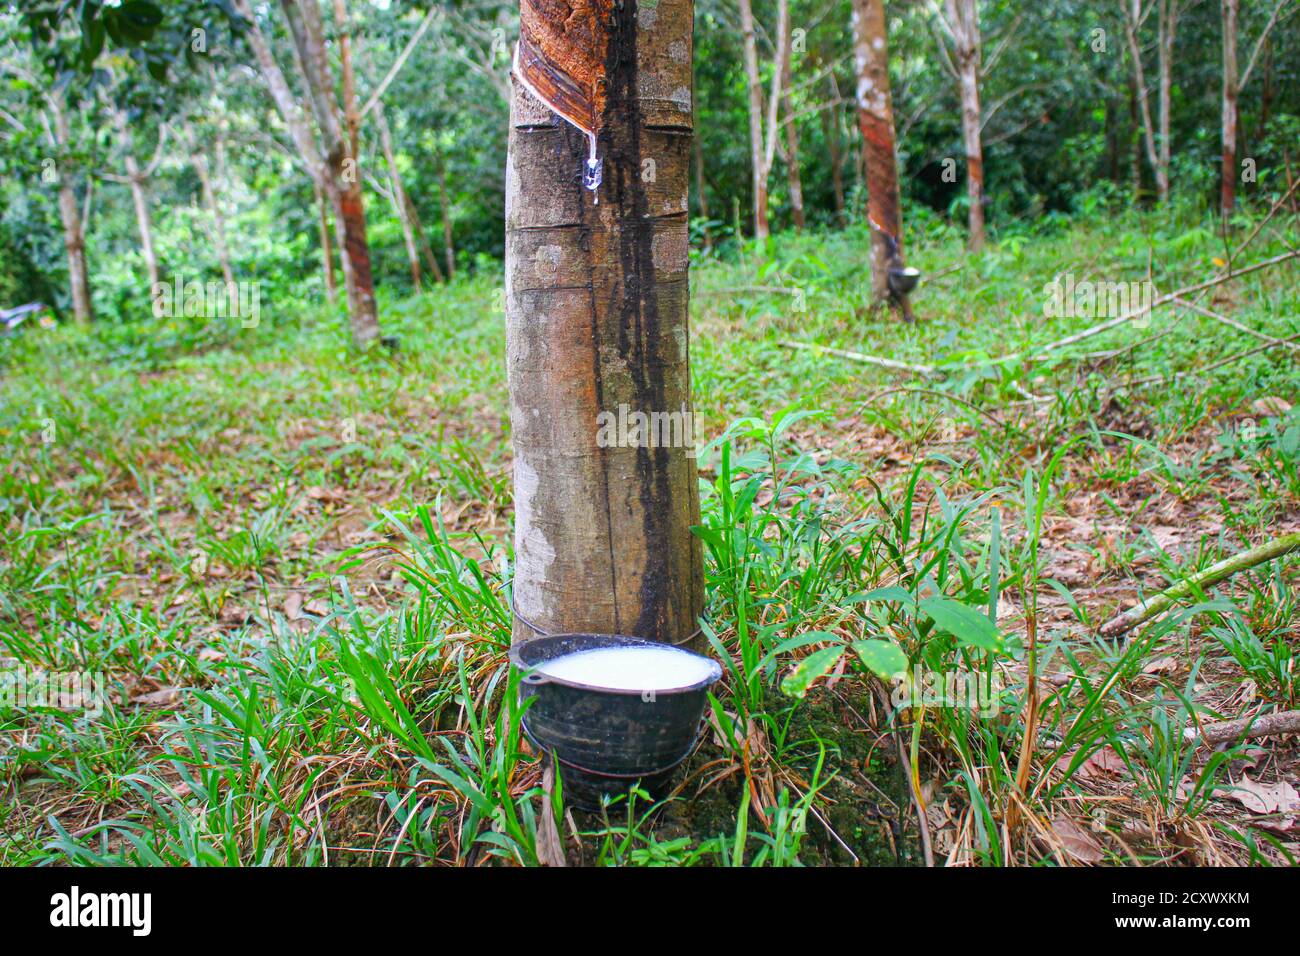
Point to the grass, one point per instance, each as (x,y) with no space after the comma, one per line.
(291,565)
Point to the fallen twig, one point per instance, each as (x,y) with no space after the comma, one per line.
(732,290)
(1236,356)
(863,357)
(1040,352)
(1239,326)
(1212,575)
(1260,725)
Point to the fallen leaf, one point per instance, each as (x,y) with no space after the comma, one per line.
(232,613)
(1076,841)
(1104,761)
(158,698)
(293,605)
(1270,405)
(1259,797)
(550,849)
(1161,665)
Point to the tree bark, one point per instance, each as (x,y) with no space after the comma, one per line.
(1233,84)
(448,246)
(1168,27)
(757,168)
(763,131)
(832,120)
(426,250)
(701,198)
(963,16)
(299,132)
(597,326)
(74,240)
(876,120)
(213,206)
(326,248)
(1228,185)
(1156,133)
(350,113)
(400,205)
(139,197)
(793,181)
(342,178)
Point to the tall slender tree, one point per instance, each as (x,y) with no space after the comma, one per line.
(1233,84)
(334,171)
(961,21)
(876,120)
(763,130)
(136,179)
(342,174)
(74,236)
(1155,132)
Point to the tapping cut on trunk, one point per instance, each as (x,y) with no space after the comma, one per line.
(561,59)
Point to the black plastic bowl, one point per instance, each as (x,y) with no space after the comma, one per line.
(607,740)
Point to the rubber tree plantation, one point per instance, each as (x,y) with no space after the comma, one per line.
(697,433)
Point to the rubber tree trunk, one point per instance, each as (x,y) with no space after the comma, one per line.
(400,205)
(758,168)
(342,179)
(326,248)
(597,326)
(1168,24)
(426,250)
(831,119)
(74,239)
(1132,21)
(963,16)
(793,180)
(299,132)
(876,120)
(1228,186)
(139,198)
(701,198)
(448,245)
(213,206)
(351,114)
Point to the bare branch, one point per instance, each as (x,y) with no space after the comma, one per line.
(1259,43)
(1008,34)
(402,57)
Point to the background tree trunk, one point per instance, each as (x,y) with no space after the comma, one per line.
(1133,15)
(139,197)
(213,206)
(876,120)
(400,205)
(792,177)
(1233,84)
(342,178)
(74,240)
(758,169)
(448,246)
(326,248)
(700,196)
(597,323)
(963,17)
(1228,186)
(350,113)
(1168,27)
(832,121)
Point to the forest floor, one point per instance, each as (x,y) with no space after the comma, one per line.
(288,567)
